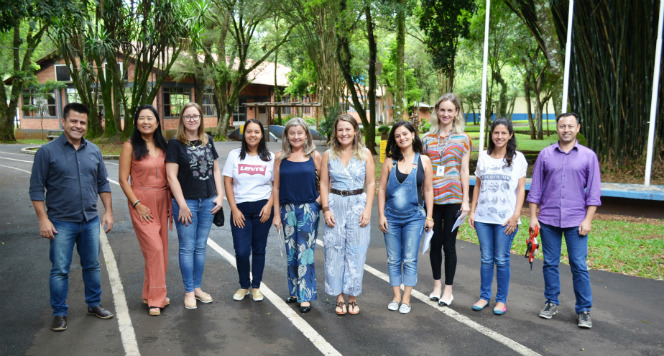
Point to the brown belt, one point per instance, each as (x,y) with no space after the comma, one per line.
(345,193)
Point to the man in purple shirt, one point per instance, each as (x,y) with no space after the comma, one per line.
(566,186)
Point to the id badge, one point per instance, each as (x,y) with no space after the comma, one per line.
(440,172)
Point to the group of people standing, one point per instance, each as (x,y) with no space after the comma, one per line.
(424,186)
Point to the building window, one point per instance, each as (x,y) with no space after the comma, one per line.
(71,96)
(240,110)
(174,100)
(209,108)
(62,73)
(37,104)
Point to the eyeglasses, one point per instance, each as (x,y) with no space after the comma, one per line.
(191,117)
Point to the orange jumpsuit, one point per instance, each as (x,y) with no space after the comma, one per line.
(149,183)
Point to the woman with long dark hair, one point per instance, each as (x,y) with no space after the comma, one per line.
(404,194)
(248,184)
(148,197)
(498,196)
(193,174)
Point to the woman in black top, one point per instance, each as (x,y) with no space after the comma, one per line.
(195,179)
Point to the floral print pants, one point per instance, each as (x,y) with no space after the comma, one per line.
(300,223)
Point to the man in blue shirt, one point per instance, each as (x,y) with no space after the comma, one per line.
(67,175)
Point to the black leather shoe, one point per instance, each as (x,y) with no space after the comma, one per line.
(100,312)
(291,300)
(305,309)
(59,323)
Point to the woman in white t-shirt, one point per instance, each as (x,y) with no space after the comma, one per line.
(248,184)
(498,196)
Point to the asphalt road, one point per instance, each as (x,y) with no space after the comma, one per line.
(628,314)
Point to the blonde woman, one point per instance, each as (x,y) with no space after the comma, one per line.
(448,148)
(347,168)
(297,205)
(195,181)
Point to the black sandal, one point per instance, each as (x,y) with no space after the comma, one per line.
(353,305)
(341,305)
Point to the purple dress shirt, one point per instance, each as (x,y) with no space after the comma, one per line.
(565,184)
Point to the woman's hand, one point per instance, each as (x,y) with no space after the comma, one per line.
(276,221)
(471,219)
(465,208)
(185,215)
(218,204)
(428,225)
(512,224)
(328,215)
(365,218)
(238,218)
(144,213)
(265,212)
(382,223)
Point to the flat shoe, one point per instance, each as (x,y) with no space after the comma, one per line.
(353,306)
(59,323)
(190,303)
(342,307)
(291,299)
(393,306)
(100,312)
(476,306)
(256,295)
(305,309)
(446,303)
(240,294)
(499,311)
(167,301)
(203,298)
(155,311)
(434,297)
(404,309)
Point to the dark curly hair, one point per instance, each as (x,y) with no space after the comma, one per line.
(511,144)
(392,150)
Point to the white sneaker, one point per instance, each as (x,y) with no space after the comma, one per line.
(404,309)
(393,306)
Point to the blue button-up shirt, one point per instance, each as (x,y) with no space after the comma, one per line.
(69,180)
(565,184)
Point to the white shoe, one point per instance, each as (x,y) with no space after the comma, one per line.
(393,306)
(239,295)
(446,303)
(404,309)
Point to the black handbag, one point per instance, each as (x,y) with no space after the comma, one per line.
(219,218)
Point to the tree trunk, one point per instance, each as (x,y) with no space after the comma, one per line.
(370,131)
(401,42)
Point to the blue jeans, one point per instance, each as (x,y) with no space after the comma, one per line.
(193,240)
(402,241)
(577,250)
(495,248)
(85,235)
(251,241)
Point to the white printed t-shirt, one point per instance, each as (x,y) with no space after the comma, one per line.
(499,184)
(252,177)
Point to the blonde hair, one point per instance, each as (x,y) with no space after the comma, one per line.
(459,121)
(309,146)
(181,135)
(358,145)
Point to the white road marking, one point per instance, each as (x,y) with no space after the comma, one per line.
(14,159)
(18,169)
(307,330)
(127,333)
(521,349)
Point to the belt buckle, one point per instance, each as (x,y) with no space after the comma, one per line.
(345,193)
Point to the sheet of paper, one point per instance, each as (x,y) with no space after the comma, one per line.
(427,240)
(459,221)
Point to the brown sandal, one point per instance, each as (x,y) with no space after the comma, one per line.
(353,306)
(341,306)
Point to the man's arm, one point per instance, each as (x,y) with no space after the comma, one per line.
(46,228)
(107,219)
(585,226)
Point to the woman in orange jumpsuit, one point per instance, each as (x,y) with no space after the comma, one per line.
(142,158)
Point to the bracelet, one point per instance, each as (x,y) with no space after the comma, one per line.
(326,209)
(136,202)
(430,219)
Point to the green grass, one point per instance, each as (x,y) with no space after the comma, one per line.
(31,141)
(627,247)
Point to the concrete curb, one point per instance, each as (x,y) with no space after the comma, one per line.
(33,150)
